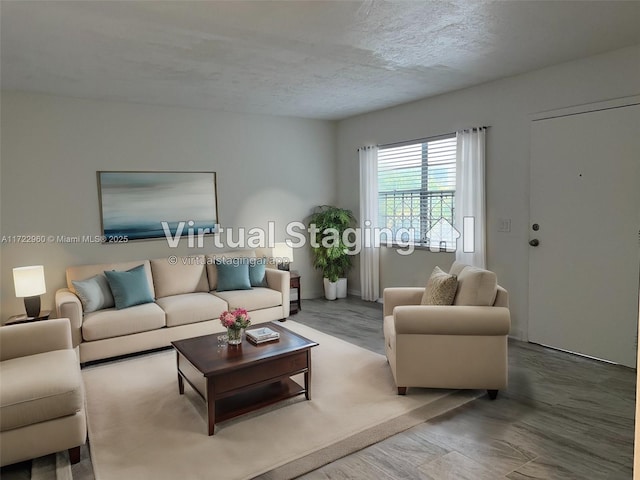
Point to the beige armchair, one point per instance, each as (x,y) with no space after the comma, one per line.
(457,346)
(41,392)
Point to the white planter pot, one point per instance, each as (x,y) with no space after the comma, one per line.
(341,291)
(330,289)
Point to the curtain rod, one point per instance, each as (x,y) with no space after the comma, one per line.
(418,140)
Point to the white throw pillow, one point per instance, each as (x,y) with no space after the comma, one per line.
(476,287)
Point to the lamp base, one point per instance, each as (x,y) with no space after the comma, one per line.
(32,306)
(283,266)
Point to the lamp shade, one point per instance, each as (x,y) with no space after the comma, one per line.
(29,281)
(283,253)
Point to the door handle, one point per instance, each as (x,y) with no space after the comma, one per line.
(534,242)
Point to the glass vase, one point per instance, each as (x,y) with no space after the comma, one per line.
(234,336)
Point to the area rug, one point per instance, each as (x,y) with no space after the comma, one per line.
(140,427)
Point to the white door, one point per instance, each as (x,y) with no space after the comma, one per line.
(585,198)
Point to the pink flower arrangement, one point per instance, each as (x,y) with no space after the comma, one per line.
(237,319)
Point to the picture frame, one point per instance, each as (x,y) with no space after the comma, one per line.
(146,205)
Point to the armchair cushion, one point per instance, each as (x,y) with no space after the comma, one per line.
(476,287)
(40,387)
(441,288)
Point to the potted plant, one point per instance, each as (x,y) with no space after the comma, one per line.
(330,254)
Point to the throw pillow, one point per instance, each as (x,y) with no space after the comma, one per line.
(476,287)
(129,288)
(441,288)
(94,293)
(233,274)
(257,272)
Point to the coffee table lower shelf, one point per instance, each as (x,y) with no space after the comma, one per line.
(256,398)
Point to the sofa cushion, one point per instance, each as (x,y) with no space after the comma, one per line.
(233,275)
(476,287)
(129,288)
(187,275)
(40,387)
(114,323)
(441,288)
(82,272)
(254,299)
(191,308)
(212,271)
(94,293)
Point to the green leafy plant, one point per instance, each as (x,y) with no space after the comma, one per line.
(330,254)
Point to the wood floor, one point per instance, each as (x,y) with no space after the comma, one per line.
(562,417)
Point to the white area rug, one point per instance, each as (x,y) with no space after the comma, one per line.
(140,427)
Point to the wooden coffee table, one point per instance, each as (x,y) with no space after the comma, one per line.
(234,380)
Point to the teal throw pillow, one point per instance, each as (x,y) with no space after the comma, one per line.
(129,288)
(94,293)
(233,274)
(257,272)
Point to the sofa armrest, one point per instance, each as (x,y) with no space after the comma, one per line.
(277,279)
(35,337)
(280,280)
(68,305)
(395,296)
(451,320)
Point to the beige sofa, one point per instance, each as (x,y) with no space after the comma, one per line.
(459,346)
(186,305)
(42,395)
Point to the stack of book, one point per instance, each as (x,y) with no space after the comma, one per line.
(262,335)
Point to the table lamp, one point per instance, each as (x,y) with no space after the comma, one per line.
(29,283)
(283,255)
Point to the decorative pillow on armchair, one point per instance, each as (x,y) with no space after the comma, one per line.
(441,288)
(476,287)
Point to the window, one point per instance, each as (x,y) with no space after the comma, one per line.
(416,187)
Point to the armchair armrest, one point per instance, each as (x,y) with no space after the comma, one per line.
(280,280)
(395,296)
(68,305)
(451,320)
(36,337)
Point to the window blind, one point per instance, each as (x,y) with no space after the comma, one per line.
(416,187)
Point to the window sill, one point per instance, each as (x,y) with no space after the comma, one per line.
(417,247)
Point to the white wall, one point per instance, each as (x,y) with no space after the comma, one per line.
(506,106)
(268,168)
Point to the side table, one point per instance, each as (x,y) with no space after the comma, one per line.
(22,318)
(294,282)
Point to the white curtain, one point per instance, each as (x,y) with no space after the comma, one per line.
(470,197)
(370,254)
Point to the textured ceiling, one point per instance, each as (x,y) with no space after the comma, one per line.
(317,59)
